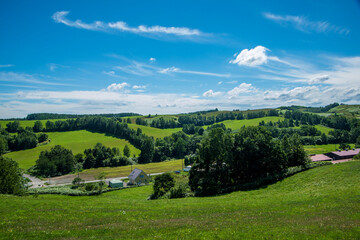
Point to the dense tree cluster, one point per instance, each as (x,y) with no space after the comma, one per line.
(226,160)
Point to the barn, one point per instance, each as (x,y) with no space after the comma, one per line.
(138,177)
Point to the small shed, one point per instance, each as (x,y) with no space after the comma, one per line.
(339,155)
(138,176)
(116,183)
(187,168)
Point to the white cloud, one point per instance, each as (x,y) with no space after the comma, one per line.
(318,79)
(116,86)
(7,65)
(220,82)
(60,17)
(152,59)
(242,88)
(28,78)
(303,24)
(298,93)
(253,57)
(211,93)
(178,70)
(139,87)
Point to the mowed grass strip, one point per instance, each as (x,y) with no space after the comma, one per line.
(321,203)
(318,149)
(76,141)
(155,132)
(123,171)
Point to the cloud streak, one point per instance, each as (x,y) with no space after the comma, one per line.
(178,70)
(303,24)
(120,26)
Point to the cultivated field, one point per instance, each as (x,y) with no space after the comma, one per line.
(321,203)
(77,141)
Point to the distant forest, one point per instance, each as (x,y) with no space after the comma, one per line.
(46,116)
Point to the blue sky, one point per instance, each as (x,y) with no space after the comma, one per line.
(176,56)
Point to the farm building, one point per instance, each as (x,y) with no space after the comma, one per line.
(320,157)
(116,183)
(138,176)
(344,154)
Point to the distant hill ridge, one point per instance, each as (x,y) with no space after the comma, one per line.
(45,116)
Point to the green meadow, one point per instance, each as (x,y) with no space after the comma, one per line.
(317,149)
(77,141)
(155,132)
(235,125)
(321,203)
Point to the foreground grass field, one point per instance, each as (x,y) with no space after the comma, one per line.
(155,132)
(77,141)
(321,203)
(317,149)
(124,171)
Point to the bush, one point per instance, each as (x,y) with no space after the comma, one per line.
(179,191)
(163,183)
(11,180)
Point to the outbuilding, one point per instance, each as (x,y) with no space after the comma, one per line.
(138,177)
(116,183)
(320,157)
(347,154)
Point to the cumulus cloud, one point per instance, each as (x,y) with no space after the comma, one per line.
(139,87)
(211,93)
(242,88)
(303,24)
(152,59)
(253,57)
(60,17)
(116,86)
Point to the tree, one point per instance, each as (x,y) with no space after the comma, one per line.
(13,127)
(89,161)
(163,183)
(210,173)
(147,150)
(11,180)
(38,126)
(101,177)
(57,161)
(3,145)
(126,151)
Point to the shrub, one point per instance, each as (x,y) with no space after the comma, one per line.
(163,183)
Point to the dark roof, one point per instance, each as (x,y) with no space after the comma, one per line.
(135,173)
(320,157)
(347,153)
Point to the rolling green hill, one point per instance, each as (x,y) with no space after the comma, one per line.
(77,141)
(27,123)
(155,132)
(347,110)
(321,203)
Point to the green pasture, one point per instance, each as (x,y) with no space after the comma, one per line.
(155,132)
(318,149)
(77,141)
(321,203)
(123,171)
(235,125)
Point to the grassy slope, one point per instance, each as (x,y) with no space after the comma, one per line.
(237,124)
(317,149)
(348,110)
(77,141)
(155,132)
(322,203)
(124,171)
